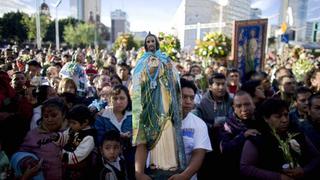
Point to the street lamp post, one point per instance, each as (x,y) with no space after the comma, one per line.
(222,4)
(57,25)
(38,37)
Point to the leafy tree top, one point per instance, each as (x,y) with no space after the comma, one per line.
(126,40)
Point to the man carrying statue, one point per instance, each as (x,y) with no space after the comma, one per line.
(156,98)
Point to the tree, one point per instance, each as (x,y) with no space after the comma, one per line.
(12,27)
(31,26)
(126,40)
(51,31)
(81,35)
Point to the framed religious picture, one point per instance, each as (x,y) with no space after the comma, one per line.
(249,42)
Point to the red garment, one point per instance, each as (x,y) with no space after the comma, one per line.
(233,89)
(6,91)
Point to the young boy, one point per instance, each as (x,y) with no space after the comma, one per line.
(113,164)
(78,143)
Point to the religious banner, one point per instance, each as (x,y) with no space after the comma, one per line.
(248,47)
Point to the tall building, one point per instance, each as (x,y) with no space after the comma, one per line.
(312,31)
(206,12)
(299,16)
(255,13)
(86,10)
(119,23)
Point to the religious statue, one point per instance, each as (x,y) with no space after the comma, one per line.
(157,112)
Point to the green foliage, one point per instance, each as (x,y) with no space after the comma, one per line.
(12,26)
(170,45)
(213,45)
(51,31)
(30,22)
(80,35)
(126,40)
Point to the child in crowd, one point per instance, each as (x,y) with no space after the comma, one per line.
(67,85)
(78,143)
(42,93)
(26,166)
(98,104)
(91,74)
(4,164)
(53,113)
(113,164)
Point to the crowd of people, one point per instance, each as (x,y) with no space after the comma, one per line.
(84,114)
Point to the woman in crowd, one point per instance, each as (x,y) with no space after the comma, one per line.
(53,113)
(279,152)
(256,91)
(42,93)
(118,117)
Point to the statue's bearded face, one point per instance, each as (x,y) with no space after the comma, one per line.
(151,43)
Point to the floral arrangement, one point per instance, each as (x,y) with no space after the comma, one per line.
(286,146)
(25,57)
(301,67)
(125,40)
(170,45)
(213,45)
(140,53)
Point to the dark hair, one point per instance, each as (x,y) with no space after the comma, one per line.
(272,106)
(233,70)
(111,135)
(80,113)
(188,74)
(18,72)
(241,93)
(57,64)
(34,63)
(216,76)
(286,76)
(115,76)
(313,96)
(282,68)
(259,75)
(55,102)
(188,84)
(69,97)
(117,90)
(195,66)
(250,87)
(301,90)
(156,39)
(311,75)
(41,93)
(66,56)
(125,65)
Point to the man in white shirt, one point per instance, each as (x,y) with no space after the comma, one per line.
(195,133)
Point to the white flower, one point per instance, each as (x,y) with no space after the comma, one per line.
(174,50)
(295,146)
(205,38)
(210,47)
(204,52)
(303,56)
